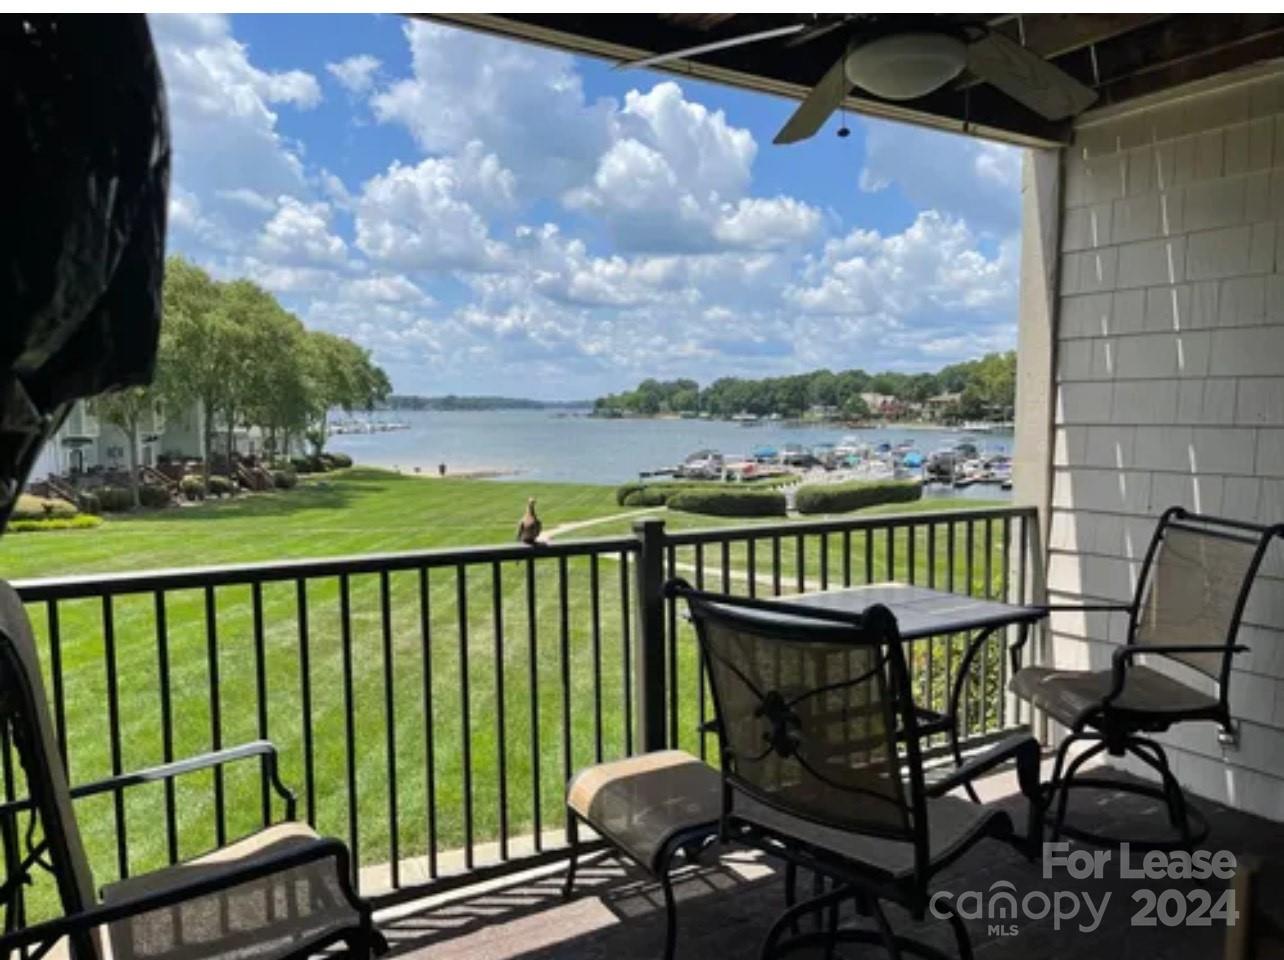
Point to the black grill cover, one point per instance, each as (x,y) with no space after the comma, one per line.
(82,237)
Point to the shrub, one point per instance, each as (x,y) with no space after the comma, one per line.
(636,494)
(647,497)
(151,495)
(729,502)
(310,464)
(624,491)
(82,521)
(89,503)
(114,499)
(285,479)
(338,461)
(843,497)
(221,486)
(42,508)
(192,487)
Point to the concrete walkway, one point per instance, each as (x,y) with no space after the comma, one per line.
(548,536)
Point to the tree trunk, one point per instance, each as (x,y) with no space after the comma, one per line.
(231,446)
(207,427)
(132,430)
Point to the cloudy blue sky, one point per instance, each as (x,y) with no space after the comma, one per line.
(490,217)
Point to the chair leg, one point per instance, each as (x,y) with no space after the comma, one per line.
(961,936)
(831,942)
(1027,767)
(885,930)
(1173,795)
(791,889)
(1062,788)
(573,836)
(671,914)
(789,918)
(367,943)
(818,887)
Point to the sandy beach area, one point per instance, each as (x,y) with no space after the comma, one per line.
(433,472)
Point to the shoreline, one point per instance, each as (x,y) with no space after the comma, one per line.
(430,472)
(839,424)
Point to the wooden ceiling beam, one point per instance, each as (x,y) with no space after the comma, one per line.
(1055,34)
(1231,55)
(1181,37)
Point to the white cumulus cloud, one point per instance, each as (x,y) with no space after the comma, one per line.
(300,233)
(356,74)
(420,217)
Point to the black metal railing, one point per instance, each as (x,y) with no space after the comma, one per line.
(430,706)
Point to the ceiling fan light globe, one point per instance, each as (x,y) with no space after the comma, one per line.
(906,66)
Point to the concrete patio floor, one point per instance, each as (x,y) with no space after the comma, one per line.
(727,904)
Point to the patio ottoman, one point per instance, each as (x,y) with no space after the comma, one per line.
(647,807)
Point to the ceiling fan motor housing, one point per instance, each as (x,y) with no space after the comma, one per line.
(905,66)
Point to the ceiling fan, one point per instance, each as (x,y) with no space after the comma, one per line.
(898,58)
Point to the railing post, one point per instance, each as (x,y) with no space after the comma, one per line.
(648,650)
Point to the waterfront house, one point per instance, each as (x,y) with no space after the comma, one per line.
(85,441)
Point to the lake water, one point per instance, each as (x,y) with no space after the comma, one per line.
(543,445)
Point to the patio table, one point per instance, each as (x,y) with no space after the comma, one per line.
(922,612)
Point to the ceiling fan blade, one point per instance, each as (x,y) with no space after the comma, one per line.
(816,32)
(825,97)
(710,47)
(1027,78)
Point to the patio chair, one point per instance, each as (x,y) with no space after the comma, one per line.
(281,892)
(822,763)
(1194,581)
(650,808)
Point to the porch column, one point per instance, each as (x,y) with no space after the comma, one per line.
(1036,333)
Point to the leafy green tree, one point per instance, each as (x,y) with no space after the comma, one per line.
(855,407)
(822,389)
(342,375)
(685,399)
(919,387)
(199,361)
(127,409)
(278,396)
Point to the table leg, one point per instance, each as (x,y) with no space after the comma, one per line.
(977,644)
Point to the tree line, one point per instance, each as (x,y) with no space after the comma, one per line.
(231,347)
(982,388)
(455,403)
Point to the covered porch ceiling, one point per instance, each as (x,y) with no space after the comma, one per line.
(1121,56)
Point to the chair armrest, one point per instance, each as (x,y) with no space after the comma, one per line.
(1021,747)
(232,876)
(204,761)
(932,721)
(1124,655)
(1014,651)
(165,771)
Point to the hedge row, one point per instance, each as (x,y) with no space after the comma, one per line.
(81,521)
(120,499)
(637,494)
(322,464)
(723,502)
(31,507)
(843,497)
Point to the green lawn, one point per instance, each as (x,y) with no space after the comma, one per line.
(362,511)
(358,511)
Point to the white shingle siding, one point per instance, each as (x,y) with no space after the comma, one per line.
(1170,386)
